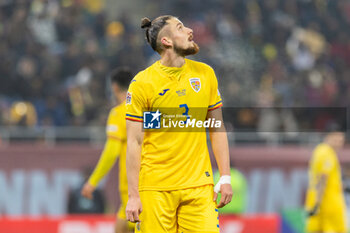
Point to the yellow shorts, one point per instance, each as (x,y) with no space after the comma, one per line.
(326,223)
(179,211)
(121,212)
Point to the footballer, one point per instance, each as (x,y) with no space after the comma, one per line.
(325,202)
(115,146)
(170,179)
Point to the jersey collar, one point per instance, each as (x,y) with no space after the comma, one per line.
(171,72)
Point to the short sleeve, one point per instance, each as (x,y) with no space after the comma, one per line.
(136,101)
(215,97)
(116,127)
(324,162)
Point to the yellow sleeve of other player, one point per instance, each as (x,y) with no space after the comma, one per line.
(109,155)
(323,161)
(116,126)
(215,98)
(116,135)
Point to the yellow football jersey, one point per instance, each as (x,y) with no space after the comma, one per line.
(324,161)
(173,160)
(114,147)
(116,129)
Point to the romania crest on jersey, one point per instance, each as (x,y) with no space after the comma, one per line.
(128,98)
(195,84)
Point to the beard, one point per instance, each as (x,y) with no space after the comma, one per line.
(187,51)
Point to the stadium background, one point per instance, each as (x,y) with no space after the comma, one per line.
(54,98)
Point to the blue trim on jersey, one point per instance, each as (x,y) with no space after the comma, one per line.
(218,226)
(134,116)
(210,106)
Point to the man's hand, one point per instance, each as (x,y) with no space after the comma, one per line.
(133,209)
(226,195)
(87,190)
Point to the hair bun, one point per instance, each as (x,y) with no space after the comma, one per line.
(145,22)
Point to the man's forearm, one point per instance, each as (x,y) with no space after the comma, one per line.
(133,163)
(220,148)
(219,143)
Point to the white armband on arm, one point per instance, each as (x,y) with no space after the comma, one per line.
(223,180)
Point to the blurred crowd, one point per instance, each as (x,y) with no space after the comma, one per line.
(55,55)
(55,58)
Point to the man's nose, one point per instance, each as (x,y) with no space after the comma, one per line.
(190,31)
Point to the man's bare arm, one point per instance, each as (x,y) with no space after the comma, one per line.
(133,163)
(218,138)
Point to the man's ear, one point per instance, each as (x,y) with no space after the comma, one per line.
(166,41)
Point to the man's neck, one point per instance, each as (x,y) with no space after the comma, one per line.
(330,143)
(171,59)
(121,97)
